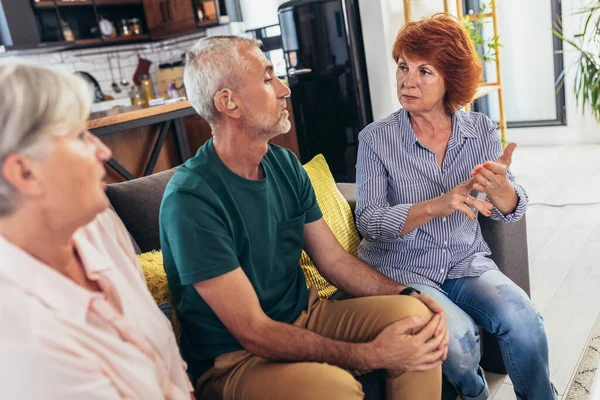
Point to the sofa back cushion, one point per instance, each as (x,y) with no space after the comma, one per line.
(138,203)
(338,216)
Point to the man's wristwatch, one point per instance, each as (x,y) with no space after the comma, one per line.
(408,291)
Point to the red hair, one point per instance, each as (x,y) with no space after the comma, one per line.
(444,42)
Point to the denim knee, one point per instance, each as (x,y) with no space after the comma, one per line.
(520,320)
(464,352)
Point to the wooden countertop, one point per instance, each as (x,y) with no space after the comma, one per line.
(119,115)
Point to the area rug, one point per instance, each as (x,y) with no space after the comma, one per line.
(586,370)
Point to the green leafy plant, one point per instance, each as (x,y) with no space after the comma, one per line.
(487,48)
(587,75)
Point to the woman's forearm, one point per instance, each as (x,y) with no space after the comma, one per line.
(507,203)
(418,215)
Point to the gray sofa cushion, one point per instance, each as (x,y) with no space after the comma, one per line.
(138,203)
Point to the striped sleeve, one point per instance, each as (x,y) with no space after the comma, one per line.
(375,218)
(493,152)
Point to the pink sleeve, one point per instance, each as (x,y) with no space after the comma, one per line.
(39,375)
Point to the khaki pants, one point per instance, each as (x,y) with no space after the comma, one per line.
(240,375)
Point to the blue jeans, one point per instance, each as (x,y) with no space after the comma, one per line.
(495,303)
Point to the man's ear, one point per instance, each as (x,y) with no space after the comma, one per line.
(20,172)
(225,104)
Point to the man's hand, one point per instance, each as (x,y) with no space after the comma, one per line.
(435,308)
(410,344)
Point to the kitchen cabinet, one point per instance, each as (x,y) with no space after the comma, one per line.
(69,24)
(18,25)
(169,17)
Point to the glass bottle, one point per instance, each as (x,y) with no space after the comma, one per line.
(147,88)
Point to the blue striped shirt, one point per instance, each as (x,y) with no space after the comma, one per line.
(395,171)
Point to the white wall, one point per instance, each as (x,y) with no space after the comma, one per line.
(259,13)
(381,19)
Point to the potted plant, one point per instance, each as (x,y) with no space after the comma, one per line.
(587,75)
(487,48)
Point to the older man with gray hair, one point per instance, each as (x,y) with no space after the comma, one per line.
(234,220)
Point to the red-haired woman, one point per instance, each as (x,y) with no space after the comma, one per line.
(416,172)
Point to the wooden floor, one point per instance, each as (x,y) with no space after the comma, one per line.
(564,252)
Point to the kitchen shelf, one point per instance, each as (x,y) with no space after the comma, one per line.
(44,4)
(88,42)
(118,2)
(74,3)
(132,38)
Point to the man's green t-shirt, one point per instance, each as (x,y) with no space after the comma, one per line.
(213,221)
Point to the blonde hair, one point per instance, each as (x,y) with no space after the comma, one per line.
(36,104)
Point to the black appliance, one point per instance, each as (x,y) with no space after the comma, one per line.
(323,46)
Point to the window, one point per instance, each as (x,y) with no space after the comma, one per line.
(531,63)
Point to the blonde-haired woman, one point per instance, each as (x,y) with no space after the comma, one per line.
(77,319)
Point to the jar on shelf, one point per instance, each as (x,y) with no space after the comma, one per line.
(125,29)
(136,96)
(135,26)
(67,31)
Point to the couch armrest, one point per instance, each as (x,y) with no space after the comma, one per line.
(508,242)
(348,190)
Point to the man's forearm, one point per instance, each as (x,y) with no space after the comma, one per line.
(358,279)
(279,341)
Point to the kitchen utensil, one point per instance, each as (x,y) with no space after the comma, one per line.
(124,81)
(114,85)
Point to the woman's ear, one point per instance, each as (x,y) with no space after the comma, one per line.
(20,172)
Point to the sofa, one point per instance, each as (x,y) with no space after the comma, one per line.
(137,203)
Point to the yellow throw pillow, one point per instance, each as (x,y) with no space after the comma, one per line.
(337,214)
(156,280)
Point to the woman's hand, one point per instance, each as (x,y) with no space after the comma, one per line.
(459,199)
(491,178)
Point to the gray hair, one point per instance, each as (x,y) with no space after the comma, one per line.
(36,104)
(214,63)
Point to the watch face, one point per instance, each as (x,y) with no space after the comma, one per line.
(106,27)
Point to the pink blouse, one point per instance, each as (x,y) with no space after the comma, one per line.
(59,340)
